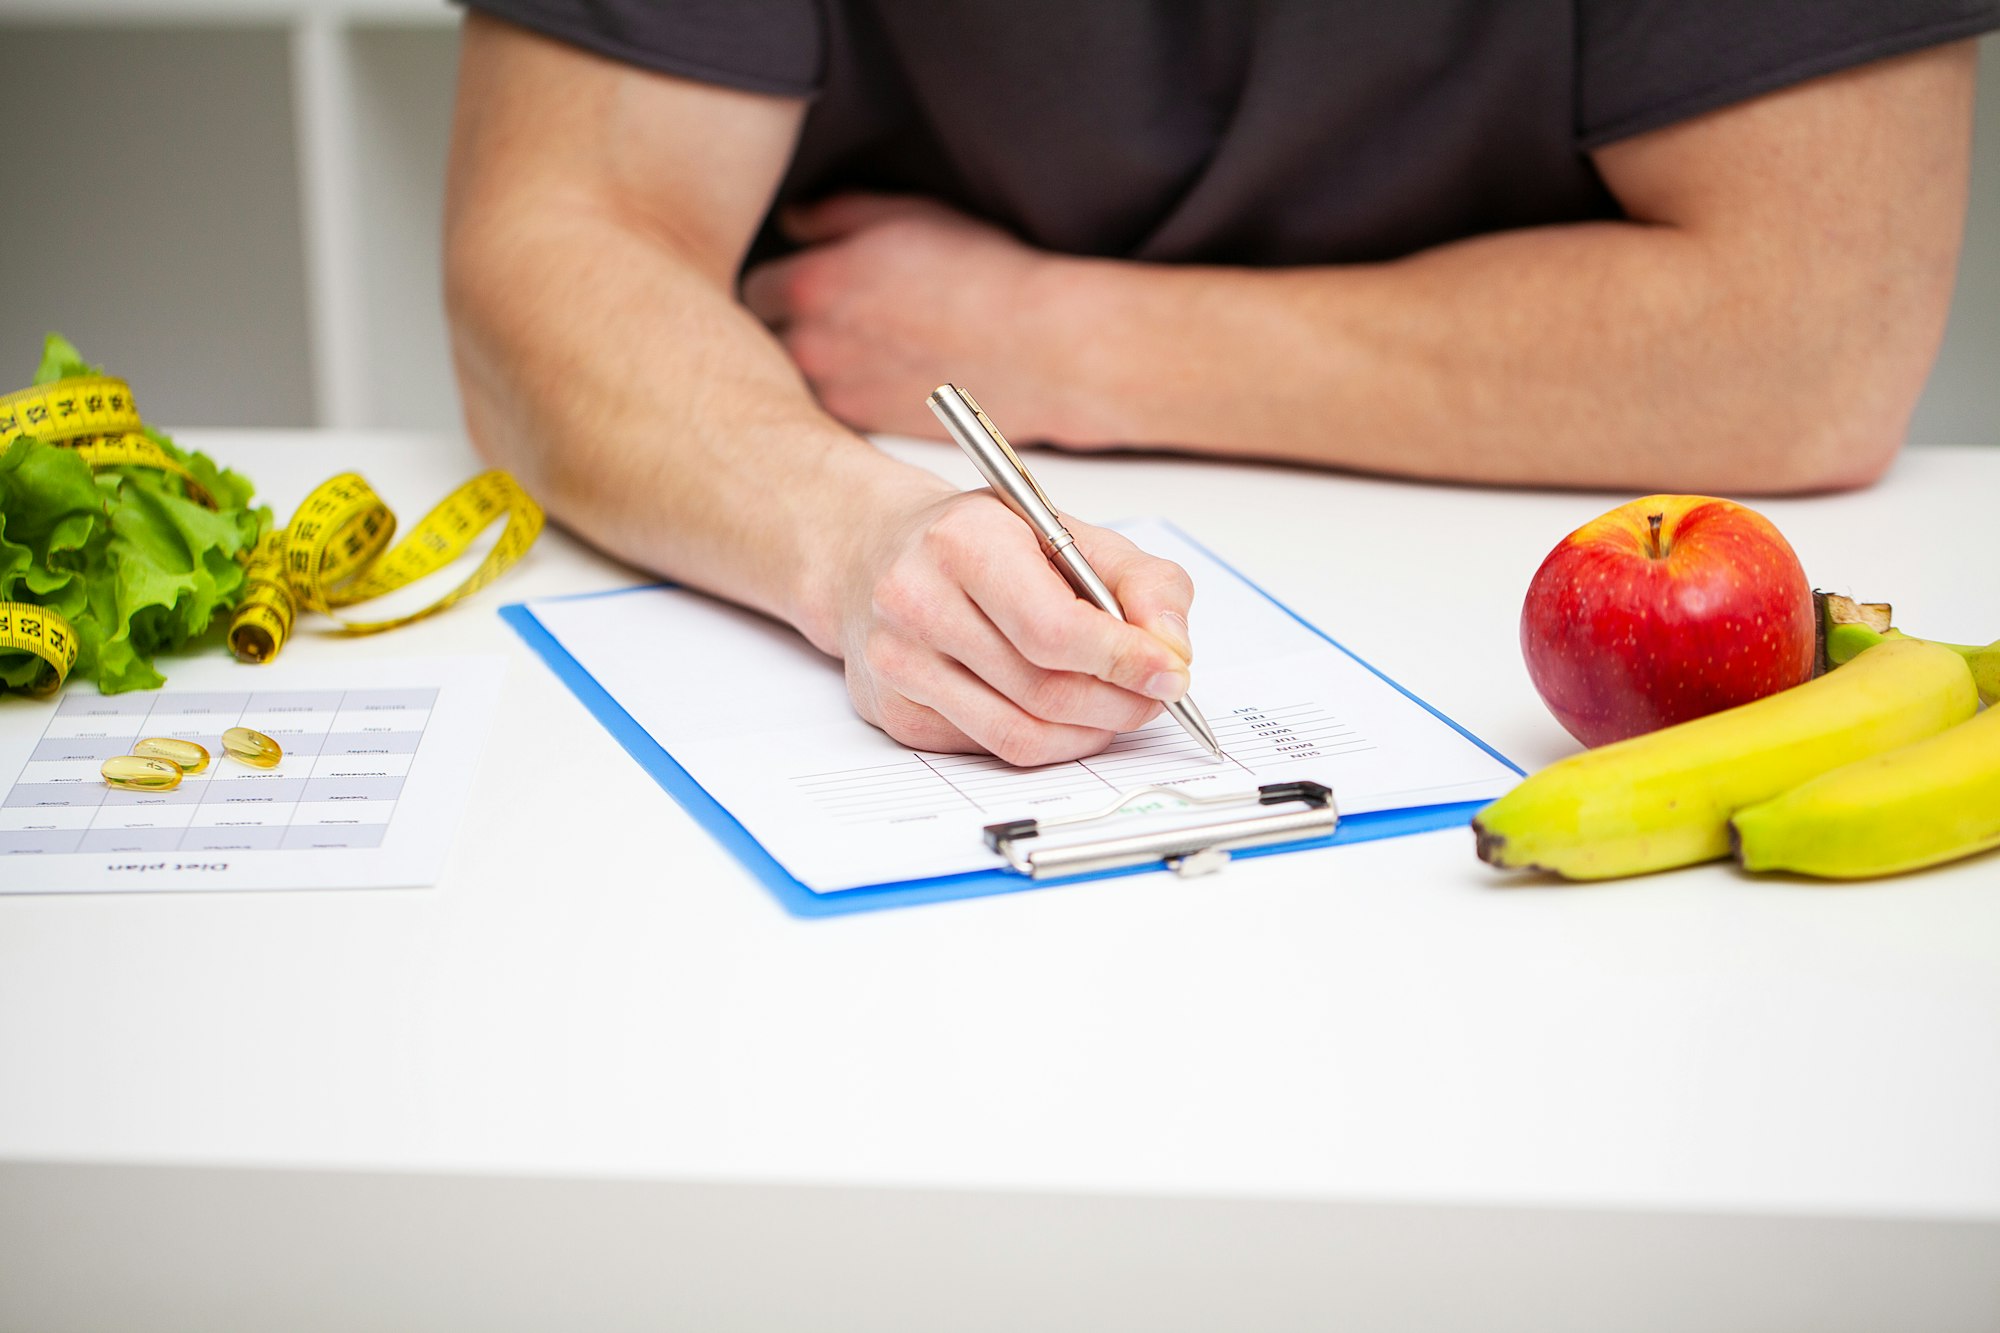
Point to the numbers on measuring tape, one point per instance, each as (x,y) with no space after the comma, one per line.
(92,405)
(42,633)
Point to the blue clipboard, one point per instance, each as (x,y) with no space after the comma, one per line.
(801,901)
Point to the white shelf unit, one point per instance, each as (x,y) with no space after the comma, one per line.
(332,292)
(323,202)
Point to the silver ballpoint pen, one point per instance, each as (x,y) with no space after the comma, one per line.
(1004,472)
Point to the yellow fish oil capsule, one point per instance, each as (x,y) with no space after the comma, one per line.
(251,747)
(133,772)
(184,755)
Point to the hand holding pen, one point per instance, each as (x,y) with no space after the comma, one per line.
(957,633)
(1016,488)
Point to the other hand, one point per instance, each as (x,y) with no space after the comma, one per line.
(892,296)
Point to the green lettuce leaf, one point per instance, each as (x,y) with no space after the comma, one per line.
(61,361)
(136,567)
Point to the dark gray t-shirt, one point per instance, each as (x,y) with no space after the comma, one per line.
(1242,131)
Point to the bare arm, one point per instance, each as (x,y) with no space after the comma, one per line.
(596,215)
(592,217)
(1763,321)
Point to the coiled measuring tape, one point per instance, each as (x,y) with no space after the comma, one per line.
(329,557)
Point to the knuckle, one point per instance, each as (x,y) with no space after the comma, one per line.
(1127,564)
(1055,695)
(1040,745)
(901,599)
(950,538)
(889,658)
(1132,659)
(916,726)
(1078,700)
(1156,584)
(1020,741)
(1044,636)
(901,718)
(1139,710)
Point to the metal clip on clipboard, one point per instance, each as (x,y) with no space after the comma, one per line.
(1184,848)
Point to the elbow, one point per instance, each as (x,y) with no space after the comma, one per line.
(1843,458)
(1840,441)
(1839,420)
(1806,447)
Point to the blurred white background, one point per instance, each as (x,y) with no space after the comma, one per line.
(234,203)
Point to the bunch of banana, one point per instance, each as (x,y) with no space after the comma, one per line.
(1666,798)
(1926,803)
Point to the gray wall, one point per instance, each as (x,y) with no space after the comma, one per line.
(403,95)
(171,248)
(1962,403)
(163,232)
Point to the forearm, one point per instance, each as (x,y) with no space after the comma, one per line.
(1764,323)
(650,414)
(1611,354)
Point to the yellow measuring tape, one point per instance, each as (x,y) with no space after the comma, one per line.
(95,417)
(329,557)
(40,631)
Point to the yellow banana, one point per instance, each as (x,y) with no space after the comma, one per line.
(1664,799)
(1925,803)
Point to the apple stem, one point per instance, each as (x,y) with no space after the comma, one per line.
(1653,547)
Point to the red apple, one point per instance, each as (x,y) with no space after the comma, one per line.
(1665,609)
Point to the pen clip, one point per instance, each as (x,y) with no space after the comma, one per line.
(1000,443)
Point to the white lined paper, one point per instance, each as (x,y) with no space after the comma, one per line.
(762,722)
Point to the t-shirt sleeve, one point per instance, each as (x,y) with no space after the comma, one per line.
(1642,64)
(760,46)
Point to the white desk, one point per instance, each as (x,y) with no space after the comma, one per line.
(597,1071)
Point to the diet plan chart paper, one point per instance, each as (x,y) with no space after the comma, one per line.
(761,721)
(378,754)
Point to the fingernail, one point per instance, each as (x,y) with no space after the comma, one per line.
(1166,686)
(1173,627)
